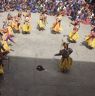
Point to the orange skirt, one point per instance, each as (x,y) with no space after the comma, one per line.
(56,27)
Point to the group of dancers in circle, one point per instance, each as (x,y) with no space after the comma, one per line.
(89,41)
(22,23)
(73,36)
(12,25)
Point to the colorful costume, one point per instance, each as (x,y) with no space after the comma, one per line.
(6,36)
(41,25)
(42,22)
(10,30)
(73,36)
(57,28)
(26,28)
(90,40)
(15,26)
(2,55)
(66,61)
(5,45)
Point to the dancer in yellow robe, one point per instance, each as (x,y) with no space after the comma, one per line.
(42,21)
(7,36)
(57,28)
(10,30)
(73,36)
(15,26)
(5,45)
(26,28)
(3,53)
(4,42)
(90,40)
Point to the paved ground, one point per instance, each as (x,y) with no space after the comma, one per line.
(21,77)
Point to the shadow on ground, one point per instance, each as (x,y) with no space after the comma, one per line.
(22,79)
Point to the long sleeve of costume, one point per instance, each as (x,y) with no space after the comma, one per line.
(65,52)
(58,54)
(70,51)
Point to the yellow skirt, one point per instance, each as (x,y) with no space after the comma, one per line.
(57,28)
(90,42)
(65,64)
(10,30)
(6,47)
(41,24)
(1,70)
(75,37)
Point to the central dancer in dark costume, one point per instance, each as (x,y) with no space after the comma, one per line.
(66,61)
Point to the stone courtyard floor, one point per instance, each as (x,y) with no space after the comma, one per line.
(38,48)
